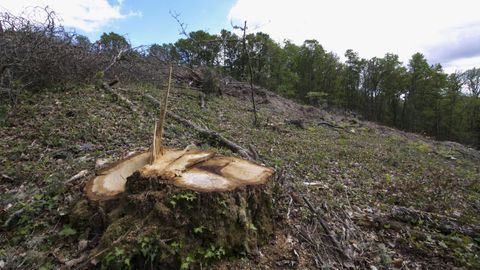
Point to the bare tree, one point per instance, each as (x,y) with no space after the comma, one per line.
(246,54)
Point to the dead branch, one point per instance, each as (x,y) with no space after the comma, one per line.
(207,132)
(326,228)
(114,60)
(130,104)
(77,176)
(246,52)
(442,223)
(328,125)
(13,218)
(234,147)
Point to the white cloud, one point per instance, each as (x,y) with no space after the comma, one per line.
(86,15)
(370,27)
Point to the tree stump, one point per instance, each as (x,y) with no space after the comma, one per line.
(183,210)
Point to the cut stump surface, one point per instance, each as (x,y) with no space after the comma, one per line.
(196,170)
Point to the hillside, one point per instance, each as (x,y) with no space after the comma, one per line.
(391,199)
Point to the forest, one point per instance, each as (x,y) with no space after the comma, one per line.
(416,96)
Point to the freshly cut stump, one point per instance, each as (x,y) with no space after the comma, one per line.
(189,207)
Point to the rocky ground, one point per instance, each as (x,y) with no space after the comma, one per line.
(381,198)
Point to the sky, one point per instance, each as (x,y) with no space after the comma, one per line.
(445,31)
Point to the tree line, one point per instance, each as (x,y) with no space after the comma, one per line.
(414,96)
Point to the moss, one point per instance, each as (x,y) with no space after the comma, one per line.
(115,230)
(81,214)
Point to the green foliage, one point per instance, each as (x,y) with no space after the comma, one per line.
(187,262)
(113,42)
(415,96)
(187,196)
(117,258)
(316,98)
(199,230)
(213,253)
(67,230)
(149,248)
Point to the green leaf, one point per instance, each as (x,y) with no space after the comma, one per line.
(442,244)
(67,230)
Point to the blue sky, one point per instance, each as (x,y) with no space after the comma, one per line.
(155,25)
(446,31)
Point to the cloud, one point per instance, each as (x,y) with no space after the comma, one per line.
(370,27)
(461,43)
(86,15)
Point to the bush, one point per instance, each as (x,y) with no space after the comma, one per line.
(37,55)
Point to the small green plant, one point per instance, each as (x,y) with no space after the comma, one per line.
(177,246)
(388,178)
(148,248)
(199,230)
(222,202)
(215,253)
(187,262)
(250,226)
(67,230)
(116,259)
(423,147)
(185,196)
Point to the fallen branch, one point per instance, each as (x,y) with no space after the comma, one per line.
(325,227)
(73,262)
(207,132)
(13,218)
(107,88)
(328,125)
(442,223)
(77,176)
(114,60)
(234,147)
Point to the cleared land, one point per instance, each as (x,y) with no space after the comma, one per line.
(391,199)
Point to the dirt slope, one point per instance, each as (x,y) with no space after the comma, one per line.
(390,199)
